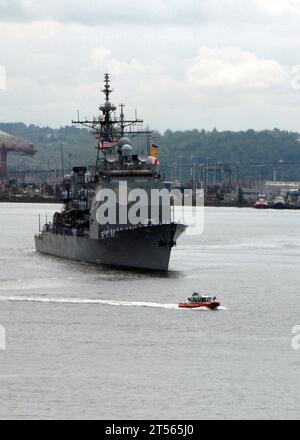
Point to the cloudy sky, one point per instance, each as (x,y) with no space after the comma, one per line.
(230,64)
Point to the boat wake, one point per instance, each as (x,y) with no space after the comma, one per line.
(21,298)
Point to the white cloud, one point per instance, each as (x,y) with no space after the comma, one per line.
(100,55)
(182,64)
(232,68)
(104,12)
(278,8)
(103,58)
(179,12)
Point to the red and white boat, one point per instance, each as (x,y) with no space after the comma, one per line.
(261,204)
(196,301)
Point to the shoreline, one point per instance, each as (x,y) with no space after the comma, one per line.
(209,204)
(4,199)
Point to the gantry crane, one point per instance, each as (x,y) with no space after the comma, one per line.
(9,143)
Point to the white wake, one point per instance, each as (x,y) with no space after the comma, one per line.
(56,300)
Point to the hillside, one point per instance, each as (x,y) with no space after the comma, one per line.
(225,146)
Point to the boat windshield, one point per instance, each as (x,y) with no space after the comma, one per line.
(196,298)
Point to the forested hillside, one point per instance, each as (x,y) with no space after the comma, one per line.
(174,146)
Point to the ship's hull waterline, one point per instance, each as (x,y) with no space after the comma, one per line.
(147,248)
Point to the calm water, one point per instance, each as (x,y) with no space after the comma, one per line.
(87,342)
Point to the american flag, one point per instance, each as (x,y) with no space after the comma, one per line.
(104,145)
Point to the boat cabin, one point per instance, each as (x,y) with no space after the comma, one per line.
(197,298)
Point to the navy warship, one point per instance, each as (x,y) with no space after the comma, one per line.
(78,231)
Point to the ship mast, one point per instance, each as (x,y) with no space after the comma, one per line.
(107,108)
(122,116)
(107,129)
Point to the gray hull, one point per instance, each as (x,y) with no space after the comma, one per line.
(146,247)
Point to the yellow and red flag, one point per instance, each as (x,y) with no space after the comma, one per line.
(154,151)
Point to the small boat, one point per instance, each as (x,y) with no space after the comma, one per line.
(295,204)
(261,204)
(197,301)
(278,203)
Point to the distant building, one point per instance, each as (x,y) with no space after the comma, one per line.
(280,187)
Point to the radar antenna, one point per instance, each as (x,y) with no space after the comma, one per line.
(108,129)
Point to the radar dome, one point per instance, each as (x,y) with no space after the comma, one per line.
(124,141)
(126,150)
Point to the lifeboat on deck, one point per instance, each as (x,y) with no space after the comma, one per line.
(197,301)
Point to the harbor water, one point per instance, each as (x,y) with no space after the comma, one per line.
(83,341)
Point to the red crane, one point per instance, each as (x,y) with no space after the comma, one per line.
(9,143)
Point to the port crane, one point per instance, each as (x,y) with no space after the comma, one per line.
(11,144)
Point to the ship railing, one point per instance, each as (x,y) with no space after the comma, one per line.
(111,233)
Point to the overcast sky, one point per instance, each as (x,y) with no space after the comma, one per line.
(230,64)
